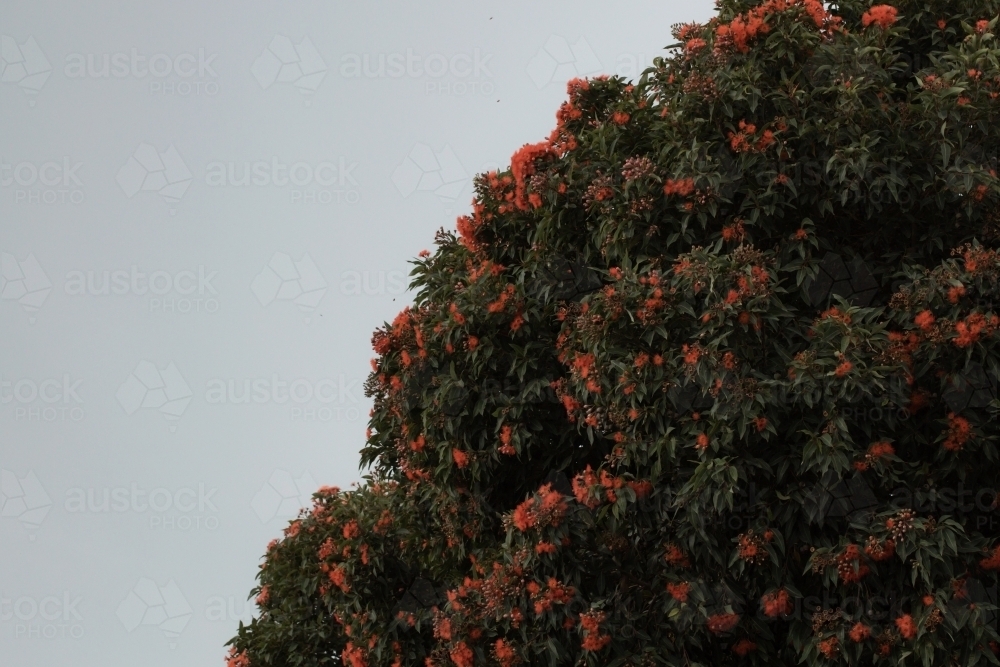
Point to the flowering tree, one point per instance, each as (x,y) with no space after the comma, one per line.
(707,377)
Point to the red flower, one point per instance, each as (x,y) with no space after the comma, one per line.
(461,458)
(545,548)
(461,655)
(676,557)
(353,656)
(679,591)
(743,647)
(522,166)
(860,632)
(548,511)
(351,530)
(843,368)
(906,626)
(829,647)
(338,576)
(882,15)
(701,444)
(992,562)
(235,659)
(682,187)
(619,118)
(505,655)
(722,623)
(959,432)
(591,622)
(924,320)
(777,603)
(849,565)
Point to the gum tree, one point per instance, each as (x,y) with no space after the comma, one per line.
(707,377)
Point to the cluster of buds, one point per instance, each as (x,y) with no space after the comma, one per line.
(636,168)
(824,619)
(934,620)
(900,524)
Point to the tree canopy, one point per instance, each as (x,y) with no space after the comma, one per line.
(707,377)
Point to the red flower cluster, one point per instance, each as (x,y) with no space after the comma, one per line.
(741,142)
(959,432)
(746,27)
(991,562)
(829,647)
(881,15)
(619,118)
(975,325)
(353,656)
(555,593)
(501,302)
(777,603)
(522,166)
(235,659)
(593,639)
(850,565)
(338,575)
(859,632)
(722,623)
(547,509)
(506,433)
(977,259)
(461,655)
(680,186)
(676,557)
(880,551)
(743,647)
(351,530)
(906,626)
(504,653)
(924,320)
(679,591)
(876,451)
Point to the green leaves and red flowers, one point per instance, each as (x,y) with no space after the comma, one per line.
(721,350)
